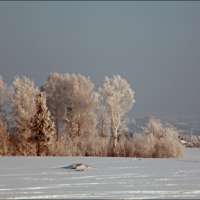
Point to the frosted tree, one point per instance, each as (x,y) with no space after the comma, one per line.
(72,103)
(42,126)
(118,98)
(3,137)
(53,88)
(83,100)
(159,142)
(24,107)
(155,128)
(5,95)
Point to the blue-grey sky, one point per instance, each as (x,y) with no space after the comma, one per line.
(153,45)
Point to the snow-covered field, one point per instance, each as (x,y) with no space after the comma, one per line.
(52,177)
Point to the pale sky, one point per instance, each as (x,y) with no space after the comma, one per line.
(154,46)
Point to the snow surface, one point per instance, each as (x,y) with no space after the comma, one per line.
(53,177)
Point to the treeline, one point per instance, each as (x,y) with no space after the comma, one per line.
(66,117)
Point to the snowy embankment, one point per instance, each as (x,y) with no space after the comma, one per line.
(58,177)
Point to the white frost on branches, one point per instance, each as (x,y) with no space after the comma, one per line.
(5,96)
(23,103)
(118,98)
(43,127)
(66,92)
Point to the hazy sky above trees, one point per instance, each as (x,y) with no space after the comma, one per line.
(154,46)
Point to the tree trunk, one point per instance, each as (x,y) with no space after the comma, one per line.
(102,129)
(112,130)
(114,136)
(78,130)
(57,130)
(3,142)
(72,132)
(102,138)
(57,122)
(38,147)
(115,141)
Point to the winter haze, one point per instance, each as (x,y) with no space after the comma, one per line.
(154,46)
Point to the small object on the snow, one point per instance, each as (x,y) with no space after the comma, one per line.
(79,167)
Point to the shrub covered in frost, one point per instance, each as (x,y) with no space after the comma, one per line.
(157,142)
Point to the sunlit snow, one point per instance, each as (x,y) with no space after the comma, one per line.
(56,177)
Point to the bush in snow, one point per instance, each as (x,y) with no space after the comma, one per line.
(157,142)
(150,144)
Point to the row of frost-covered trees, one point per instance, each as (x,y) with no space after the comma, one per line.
(68,118)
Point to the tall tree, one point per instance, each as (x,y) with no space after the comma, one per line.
(53,88)
(118,98)
(42,127)
(3,137)
(66,92)
(84,101)
(5,96)
(24,107)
